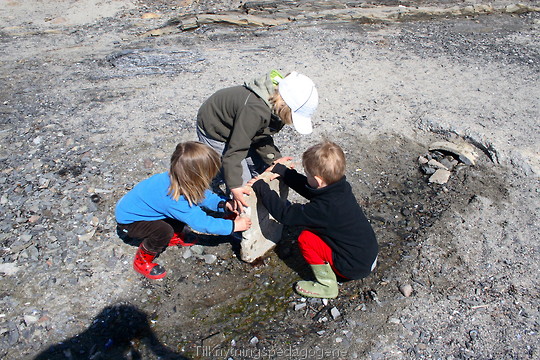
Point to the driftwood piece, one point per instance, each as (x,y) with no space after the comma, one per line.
(464,151)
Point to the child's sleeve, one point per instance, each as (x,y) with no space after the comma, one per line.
(211,201)
(293,179)
(200,221)
(282,210)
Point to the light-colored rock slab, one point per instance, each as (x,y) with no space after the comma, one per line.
(434,163)
(440,176)
(265,231)
(464,151)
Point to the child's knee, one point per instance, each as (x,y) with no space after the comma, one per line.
(306,237)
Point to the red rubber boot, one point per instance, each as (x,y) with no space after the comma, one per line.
(179,239)
(143,264)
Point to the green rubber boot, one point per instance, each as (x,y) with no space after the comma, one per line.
(325,287)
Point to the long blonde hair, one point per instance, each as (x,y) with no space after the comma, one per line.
(193,166)
(280,108)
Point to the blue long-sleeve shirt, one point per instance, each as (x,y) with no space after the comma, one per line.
(148,201)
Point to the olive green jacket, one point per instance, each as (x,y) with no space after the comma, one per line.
(242,117)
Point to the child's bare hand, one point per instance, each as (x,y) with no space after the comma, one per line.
(229,205)
(252,181)
(242,223)
(286,160)
(238,197)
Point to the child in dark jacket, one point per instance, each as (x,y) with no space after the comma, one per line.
(338,238)
(239,122)
(154,207)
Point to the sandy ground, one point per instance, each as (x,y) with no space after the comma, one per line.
(90,105)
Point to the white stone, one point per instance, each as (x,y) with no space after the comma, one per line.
(440,176)
(406,290)
(9,268)
(30,319)
(335,313)
(265,231)
(209,258)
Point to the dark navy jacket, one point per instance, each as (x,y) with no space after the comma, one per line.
(332,213)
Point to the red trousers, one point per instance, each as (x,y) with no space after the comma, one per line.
(315,250)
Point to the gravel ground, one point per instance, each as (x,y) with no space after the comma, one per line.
(91,105)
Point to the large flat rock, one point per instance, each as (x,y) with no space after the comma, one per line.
(265,231)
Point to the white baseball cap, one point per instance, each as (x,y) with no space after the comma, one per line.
(300,94)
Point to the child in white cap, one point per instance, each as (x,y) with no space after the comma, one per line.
(239,121)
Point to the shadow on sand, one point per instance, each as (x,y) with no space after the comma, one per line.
(119,332)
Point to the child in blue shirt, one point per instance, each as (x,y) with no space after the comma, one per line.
(149,211)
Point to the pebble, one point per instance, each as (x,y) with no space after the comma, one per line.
(30,319)
(187,253)
(335,313)
(300,306)
(209,258)
(406,289)
(197,249)
(440,176)
(325,302)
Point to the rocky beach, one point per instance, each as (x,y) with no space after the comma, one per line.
(96,94)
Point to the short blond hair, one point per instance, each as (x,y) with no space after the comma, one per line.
(326,160)
(193,166)
(280,108)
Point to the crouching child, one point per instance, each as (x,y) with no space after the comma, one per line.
(338,238)
(157,209)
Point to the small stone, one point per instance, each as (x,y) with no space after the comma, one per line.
(448,162)
(30,319)
(338,339)
(148,163)
(254,340)
(209,258)
(8,268)
(440,176)
(187,253)
(393,320)
(406,290)
(422,160)
(197,249)
(325,302)
(437,165)
(87,236)
(33,219)
(428,170)
(335,313)
(300,306)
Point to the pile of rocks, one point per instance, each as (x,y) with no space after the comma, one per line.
(444,157)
